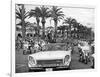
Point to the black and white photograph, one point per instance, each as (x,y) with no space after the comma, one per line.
(54,38)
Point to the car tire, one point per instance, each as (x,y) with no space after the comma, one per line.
(86,61)
(92,66)
(92,63)
(69,67)
(29,70)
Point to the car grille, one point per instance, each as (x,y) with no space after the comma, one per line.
(49,62)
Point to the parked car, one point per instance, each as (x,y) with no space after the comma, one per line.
(49,60)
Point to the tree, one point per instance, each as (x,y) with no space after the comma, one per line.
(22,15)
(44,14)
(62,28)
(72,23)
(84,32)
(36,13)
(56,15)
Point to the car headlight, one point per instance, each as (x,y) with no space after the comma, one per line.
(32,60)
(66,59)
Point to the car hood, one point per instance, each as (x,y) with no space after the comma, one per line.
(49,55)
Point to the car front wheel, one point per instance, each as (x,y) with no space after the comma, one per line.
(69,67)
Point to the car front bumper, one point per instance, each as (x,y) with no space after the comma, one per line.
(44,67)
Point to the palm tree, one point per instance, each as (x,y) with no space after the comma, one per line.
(56,15)
(45,13)
(36,13)
(62,28)
(22,15)
(71,23)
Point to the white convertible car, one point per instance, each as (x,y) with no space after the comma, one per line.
(49,60)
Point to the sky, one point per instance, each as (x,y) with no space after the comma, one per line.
(84,16)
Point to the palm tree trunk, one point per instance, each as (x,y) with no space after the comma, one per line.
(23,30)
(38,31)
(55,21)
(23,23)
(69,30)
(43,34)
(43,29)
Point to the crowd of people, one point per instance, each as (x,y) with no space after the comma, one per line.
(30,44)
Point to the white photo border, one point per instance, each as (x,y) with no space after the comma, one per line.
(60,73)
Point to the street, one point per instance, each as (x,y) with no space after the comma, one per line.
(21,63)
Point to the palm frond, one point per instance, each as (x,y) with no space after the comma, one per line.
(20,23)
(45,12)
(31,13)
(18,15)
(21,11)
(34,13)
(58,9)
(56,13)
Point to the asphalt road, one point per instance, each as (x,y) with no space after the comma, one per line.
(21,63)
